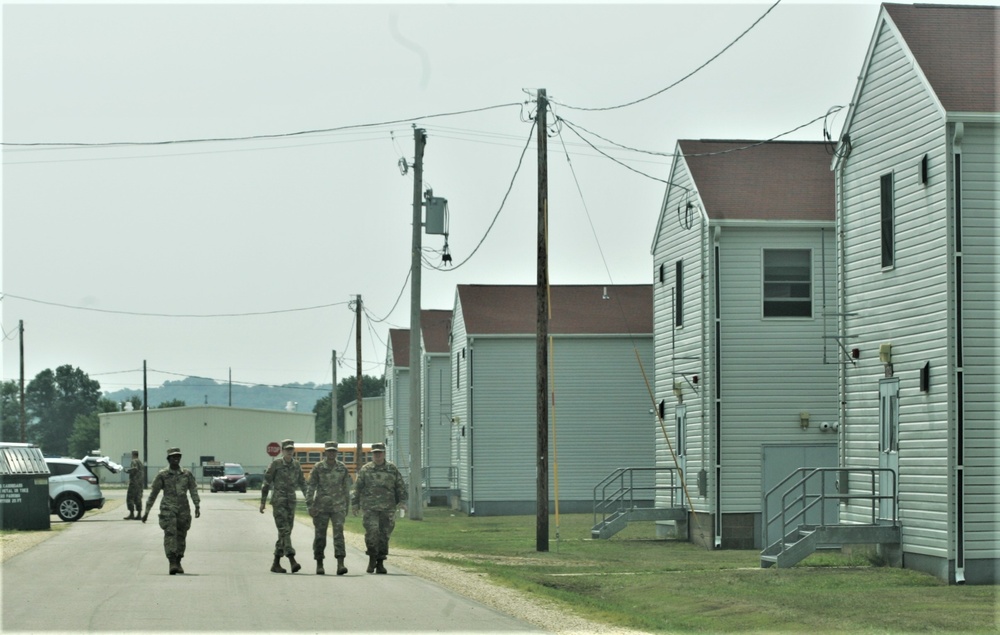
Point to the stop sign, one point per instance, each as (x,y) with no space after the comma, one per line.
(273,448)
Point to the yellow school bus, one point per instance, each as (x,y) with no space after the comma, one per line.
(309,454)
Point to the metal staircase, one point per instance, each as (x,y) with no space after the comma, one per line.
(804,500)
(629,494)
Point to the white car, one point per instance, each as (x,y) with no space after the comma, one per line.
(73,485)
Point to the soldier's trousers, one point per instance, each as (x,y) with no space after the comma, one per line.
(175,527)
(133,498)
(284,520)
(320,521)
(378,528)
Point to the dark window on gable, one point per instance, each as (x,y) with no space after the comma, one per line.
(458,371)
(888,240)
(787,283)
(679,294)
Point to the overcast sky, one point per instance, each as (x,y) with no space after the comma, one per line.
(191,255)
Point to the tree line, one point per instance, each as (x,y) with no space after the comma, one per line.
(61,409)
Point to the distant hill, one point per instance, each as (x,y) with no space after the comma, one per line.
(195,391)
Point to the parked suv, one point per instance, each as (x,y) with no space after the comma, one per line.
(233,478)
(73,485)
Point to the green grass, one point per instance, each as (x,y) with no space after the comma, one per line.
(637,581)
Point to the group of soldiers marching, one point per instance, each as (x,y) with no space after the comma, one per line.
(378,491)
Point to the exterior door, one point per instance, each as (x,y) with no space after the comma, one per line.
(680,448)
(888,450)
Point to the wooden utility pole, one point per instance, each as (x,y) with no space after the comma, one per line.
(359,431)
(20,329)
(542,335)
(415,493)
(145,427)
(333,401)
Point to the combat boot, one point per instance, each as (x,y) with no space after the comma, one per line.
(174,566)
(378,566)
(180,569)
(371,564)
(341,569)
(130,516)
(276,567)
(295,565)
(319,567)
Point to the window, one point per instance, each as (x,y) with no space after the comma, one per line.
(787,283)
(888,244)
(679,294)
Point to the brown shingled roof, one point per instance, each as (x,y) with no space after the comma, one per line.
(776,180)
(435,325)
(512,309)
(956,47)
(399,340)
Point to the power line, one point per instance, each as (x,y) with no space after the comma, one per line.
(171,315)
(503,202)
(663,90)
(107,144)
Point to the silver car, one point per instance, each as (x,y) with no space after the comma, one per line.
(74,486)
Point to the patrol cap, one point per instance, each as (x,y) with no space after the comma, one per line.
(287,443)
(135,452)
(330,445)
(173,451)
(378,447)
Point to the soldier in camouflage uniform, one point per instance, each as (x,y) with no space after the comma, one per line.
(284,476)
(328,496)
(133,498)
(175,515)
(379,489)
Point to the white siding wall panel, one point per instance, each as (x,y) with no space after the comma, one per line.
(981,277)
(895,123)
(772,369)
(681,352)
(460,409)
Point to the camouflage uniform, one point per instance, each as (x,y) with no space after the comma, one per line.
(284,477)
(377,491)
(133,498)
(328,495)
(175,514)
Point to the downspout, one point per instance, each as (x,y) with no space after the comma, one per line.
(841,321)
(472,453)
(717,383)
(957,299)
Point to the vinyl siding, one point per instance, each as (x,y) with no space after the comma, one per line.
(599,412)
(437,419)
(460,402)
(398,449)
(680,353)
(772,368)
(895,123)
(981,270)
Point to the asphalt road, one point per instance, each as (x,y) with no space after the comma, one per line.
(105,574)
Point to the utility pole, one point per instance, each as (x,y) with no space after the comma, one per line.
(20,329)
(542,335)
(145,426)
(357,344)
(333,401)
(416,491)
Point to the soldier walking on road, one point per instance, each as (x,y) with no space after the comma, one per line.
(133,498)
(284,476)
(327,498)
(380,488)
(175,514)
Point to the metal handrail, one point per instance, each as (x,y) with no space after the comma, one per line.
(623,496)
(804,501)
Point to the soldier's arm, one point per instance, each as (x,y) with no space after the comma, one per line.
(193,489)
(154,491)
(266,486)
(312,485)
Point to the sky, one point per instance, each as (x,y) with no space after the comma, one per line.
(259,188)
